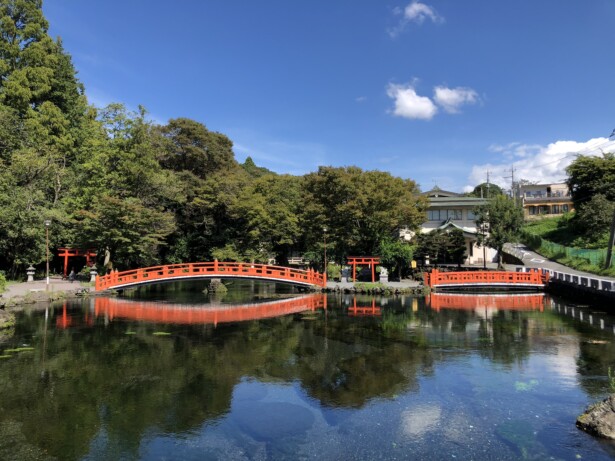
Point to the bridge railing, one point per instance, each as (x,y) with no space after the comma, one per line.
(436,278)
(209,269)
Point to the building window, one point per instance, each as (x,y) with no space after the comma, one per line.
(471,215)
(532,210)
(433,215)
(454,214)
(565,208)
(555,209)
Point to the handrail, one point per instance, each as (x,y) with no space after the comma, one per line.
(437,278)
(212,269)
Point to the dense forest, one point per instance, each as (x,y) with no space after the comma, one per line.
(141,193)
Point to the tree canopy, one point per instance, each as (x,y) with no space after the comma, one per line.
(499,221)
(141,193)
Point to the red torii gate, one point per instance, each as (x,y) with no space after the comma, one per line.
(71,252)
(355,261)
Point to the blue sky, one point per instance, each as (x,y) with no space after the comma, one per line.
(438,91)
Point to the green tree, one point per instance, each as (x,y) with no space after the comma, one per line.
(125,230)
(588,176)
(253,170)
(502,220)
(358,208)
(487,190)
(395,255)
(191,147)
(593,221)
(269,208)
(42,109)
(443,246)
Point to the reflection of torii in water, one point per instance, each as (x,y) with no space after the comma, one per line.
(363,310)
(204,313)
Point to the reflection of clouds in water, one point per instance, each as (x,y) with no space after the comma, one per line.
(564,361)
(417,421)
(559,359)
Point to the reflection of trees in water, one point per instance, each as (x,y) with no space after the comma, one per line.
(102,381)
(106,382)
(504,337)
(345,364)
(596,355)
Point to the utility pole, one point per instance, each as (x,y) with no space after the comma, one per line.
(609,251)
(488,186)
(512,184)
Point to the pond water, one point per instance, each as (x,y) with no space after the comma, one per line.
(170,373)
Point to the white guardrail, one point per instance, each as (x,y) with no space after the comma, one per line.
(586,281)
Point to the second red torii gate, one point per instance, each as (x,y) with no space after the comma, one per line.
(355,261)
(71,252)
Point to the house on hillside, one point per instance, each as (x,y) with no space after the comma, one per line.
(540,200)
(449,210)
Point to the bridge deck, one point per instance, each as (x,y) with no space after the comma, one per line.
(119,280)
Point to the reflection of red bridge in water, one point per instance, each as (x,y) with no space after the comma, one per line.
(520,302)
(135,277)
(157,312)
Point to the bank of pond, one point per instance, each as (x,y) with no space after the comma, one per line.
(259,372)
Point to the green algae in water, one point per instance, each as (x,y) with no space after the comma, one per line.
(20,349)
(161,333)
(131,333)
(520,436)
(5,356)
(520,386)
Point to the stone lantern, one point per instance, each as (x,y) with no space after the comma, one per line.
(93,274)
(30,272)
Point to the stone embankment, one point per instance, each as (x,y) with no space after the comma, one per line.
(407,287)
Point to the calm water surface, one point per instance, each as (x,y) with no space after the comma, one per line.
(171,373)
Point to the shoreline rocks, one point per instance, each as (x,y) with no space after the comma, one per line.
(599,419)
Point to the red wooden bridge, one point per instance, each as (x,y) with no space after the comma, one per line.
(135,277)
(204,313)
(485,279)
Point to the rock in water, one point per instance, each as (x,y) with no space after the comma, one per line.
(599,419)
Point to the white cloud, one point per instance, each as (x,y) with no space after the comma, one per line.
(535,163)
(409,104)
(418,12)
(451,99)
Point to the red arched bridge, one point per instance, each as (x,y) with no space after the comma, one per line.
(485,279)
(220,270)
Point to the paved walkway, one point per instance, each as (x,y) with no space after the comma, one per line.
(22,289)
(532,259)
